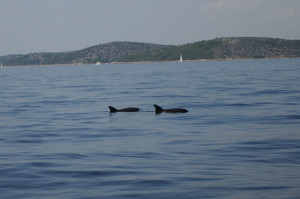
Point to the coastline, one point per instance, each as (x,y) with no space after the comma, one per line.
(218,49)
(139,62)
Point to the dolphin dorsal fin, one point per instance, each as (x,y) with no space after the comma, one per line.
(112,109)
(158,109)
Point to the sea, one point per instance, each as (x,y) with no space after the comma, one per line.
(239,139)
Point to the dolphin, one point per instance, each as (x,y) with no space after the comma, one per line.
(129,109)
(158,110)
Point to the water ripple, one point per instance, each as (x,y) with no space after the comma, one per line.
(240,138)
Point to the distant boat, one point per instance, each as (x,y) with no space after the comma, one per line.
(1,64)
(98,63)
(180,60)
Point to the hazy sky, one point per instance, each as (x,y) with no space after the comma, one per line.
(60,25)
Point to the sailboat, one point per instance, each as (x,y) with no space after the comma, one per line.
(180,60)
(98,63)
(1,64)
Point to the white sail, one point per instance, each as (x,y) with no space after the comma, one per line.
(98,63)
(180,58)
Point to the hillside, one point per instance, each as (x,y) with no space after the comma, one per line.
(224,48)
(104,53)
(219,48)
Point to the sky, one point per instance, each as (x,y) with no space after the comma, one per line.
(28,26)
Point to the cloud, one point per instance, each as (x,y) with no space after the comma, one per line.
(256,9)
(229,5)
(220,9)
(288,13)
(215,5)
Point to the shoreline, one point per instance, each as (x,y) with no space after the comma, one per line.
(140,62)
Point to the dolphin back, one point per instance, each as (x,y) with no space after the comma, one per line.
(158,110)
(176,110)
(129,109)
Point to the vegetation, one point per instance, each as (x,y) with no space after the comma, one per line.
(224,48)
(219,48)
(197,50)
(105,53)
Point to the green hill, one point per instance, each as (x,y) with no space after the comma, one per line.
(224,48)
(219,48)
(105,53)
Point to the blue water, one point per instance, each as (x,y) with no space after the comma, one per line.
(240,138)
